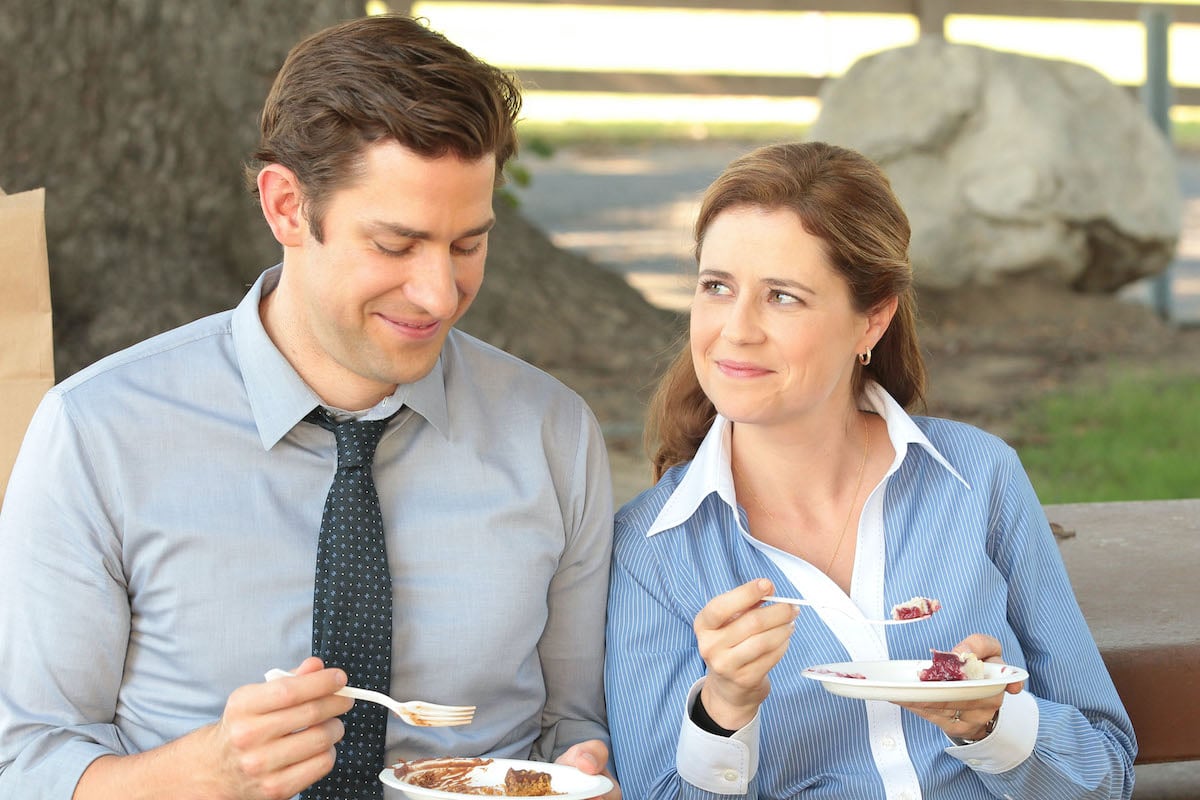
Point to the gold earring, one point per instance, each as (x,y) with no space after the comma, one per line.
(865,358)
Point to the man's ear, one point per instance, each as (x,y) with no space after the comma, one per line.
(281,199)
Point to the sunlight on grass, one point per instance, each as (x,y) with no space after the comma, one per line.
(816,43)
(667,39)
(1133,440)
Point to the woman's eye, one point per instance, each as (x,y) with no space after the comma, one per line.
(714,287)
(782,298)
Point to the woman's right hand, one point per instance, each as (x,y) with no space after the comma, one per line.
(740,639)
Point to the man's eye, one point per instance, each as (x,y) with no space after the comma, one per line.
(387,251)
(467,251)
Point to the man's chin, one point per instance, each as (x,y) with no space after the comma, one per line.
(408,367)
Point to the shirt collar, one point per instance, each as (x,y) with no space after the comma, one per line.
(710,471)
(903,430)
(279,397)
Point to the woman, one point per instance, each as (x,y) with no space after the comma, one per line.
(787,465)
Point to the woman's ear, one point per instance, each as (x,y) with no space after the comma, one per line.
(878,320)
(281,200)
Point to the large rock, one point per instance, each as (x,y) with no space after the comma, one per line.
(1011,164)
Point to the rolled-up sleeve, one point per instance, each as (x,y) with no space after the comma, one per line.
(64,613)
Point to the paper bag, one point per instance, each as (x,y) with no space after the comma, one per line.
(26,344)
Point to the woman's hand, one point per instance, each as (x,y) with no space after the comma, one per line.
(968,719)
(740,639)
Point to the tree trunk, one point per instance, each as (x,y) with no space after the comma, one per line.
(137,115)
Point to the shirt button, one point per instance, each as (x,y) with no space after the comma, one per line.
(974,762)
(907,796)
(888,743)
(730,775)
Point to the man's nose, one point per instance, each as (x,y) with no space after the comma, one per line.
(432,286)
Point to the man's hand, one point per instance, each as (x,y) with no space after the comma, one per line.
(273,740)
(591,757)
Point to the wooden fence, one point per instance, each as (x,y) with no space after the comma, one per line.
(930,14)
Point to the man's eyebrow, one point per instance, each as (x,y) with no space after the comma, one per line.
(398,229)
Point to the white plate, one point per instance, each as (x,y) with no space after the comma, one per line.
(899,681)
(568,782)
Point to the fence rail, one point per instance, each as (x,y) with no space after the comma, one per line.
(930,15)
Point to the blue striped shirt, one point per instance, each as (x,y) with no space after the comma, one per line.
(954,518)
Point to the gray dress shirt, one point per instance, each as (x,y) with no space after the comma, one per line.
(159,534)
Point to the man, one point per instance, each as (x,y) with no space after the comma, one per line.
(159,535)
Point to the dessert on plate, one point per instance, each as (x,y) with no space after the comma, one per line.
(454,775)
(527,783)
(950,666)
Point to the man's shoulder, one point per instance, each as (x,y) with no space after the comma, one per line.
(155,357)
(485,362)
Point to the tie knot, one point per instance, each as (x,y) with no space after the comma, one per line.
(356,441)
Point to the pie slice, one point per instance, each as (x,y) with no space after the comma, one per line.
(950,666)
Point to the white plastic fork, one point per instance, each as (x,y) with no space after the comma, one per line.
(414,712)
(797,602)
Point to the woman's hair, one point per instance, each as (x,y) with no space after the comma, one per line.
(844,199)
(374,78)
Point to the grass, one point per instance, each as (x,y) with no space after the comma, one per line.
(1186,135)
(1134,439)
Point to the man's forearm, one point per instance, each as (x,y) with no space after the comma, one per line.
(174,770)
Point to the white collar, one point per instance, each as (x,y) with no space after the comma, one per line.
(710,470)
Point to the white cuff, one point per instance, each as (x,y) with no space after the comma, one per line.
(717,764)
(1010,743)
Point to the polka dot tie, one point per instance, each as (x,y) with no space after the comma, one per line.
(352,607)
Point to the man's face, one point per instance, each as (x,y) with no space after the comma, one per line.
(402,259)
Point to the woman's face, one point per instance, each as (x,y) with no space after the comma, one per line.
(773,333)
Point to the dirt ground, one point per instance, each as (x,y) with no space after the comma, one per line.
(988,353)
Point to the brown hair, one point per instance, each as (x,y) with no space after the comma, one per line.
(844,199)
(373,78)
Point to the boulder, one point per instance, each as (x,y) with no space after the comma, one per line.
(1011,165)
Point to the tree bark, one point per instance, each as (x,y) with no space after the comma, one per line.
(137,115)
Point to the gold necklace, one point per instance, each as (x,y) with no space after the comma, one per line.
(853,500)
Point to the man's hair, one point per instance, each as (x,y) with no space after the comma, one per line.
(376,78)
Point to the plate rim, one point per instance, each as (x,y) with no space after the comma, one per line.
(907,691)
(603,783)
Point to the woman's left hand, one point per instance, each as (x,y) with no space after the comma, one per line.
(968,719)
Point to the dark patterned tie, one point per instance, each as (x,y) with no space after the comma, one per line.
(352,607)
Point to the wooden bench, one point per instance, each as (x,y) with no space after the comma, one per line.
(1135,568)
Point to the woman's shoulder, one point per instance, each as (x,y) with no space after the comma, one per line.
(975,454)
(637,515)
(949,434)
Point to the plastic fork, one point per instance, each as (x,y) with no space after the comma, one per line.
(414,712)
(796,602)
